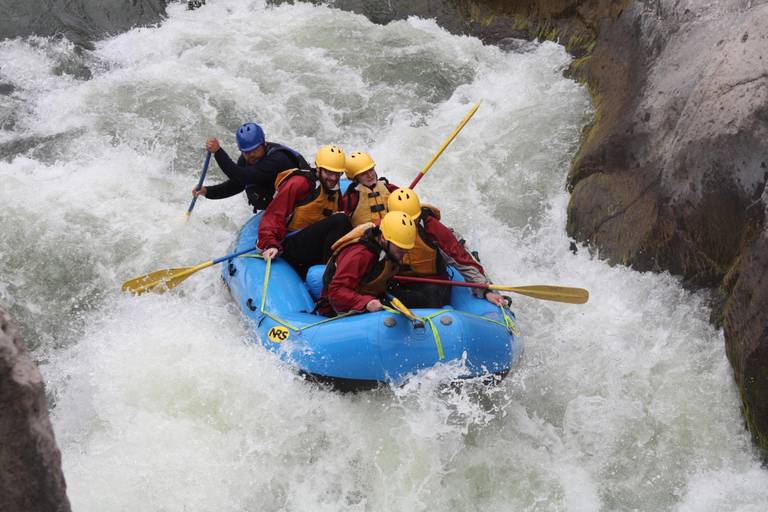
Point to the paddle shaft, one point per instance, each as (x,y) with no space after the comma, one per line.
(230,256)
(442,148)
(543,292)
(171,277)
(200,183)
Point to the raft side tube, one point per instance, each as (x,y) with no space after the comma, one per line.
(362,351)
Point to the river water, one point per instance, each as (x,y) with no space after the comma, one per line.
(164,403)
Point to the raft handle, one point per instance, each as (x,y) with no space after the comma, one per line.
(250,305)
(232,269)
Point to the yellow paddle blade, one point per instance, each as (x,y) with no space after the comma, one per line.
(169,278)
(404,310)
(545,292)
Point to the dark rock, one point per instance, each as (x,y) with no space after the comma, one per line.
(80,21)
(514,45)
(30,461)
(746,333)
(680,135)
(670,170)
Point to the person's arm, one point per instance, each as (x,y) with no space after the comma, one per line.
(273,226)
(459,237)
(222,190)
(456,256)
(351,265)
(264,171)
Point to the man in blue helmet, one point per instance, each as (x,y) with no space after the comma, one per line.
(255,171)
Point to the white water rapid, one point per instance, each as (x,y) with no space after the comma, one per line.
(162,403)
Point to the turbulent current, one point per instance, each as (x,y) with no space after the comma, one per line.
(164,402)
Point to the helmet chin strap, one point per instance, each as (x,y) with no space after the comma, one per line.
(389,250)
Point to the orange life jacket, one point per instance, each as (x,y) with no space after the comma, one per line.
(376,280)
(371,203)
(317,206)
(424,259)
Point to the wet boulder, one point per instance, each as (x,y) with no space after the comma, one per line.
(30,461)
(746,332)
(677,150)
(80,21)
(676,157)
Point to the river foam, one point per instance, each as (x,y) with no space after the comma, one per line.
(163,403)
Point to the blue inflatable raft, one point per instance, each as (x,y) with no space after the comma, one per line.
(362,351)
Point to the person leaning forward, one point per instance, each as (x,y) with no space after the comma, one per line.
(435,248)
(258,166)
(364,263)
(365,200)
(301,223)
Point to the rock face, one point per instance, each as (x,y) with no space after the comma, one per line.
(677,153)
(80,21)
(30,462)
(746,331)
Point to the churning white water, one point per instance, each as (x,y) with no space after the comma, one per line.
(163,403)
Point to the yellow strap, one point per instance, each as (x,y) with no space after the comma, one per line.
(437,338)
(428,320)
(267,273)
(266,285)
(508,322)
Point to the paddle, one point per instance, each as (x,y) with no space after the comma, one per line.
(200,183)
(543,292)
(417,321)
(445,145)
(169,277)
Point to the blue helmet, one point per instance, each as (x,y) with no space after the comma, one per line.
(249,137)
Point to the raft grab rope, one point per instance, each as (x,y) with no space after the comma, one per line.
(508,323)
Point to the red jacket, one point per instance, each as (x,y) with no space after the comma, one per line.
(273,226)
(352,264)
(454,254)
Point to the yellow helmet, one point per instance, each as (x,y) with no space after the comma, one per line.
(405,200)
(331,158)
(398,228)
(357,163)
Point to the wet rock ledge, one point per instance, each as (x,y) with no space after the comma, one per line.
(671,175)
(30,462)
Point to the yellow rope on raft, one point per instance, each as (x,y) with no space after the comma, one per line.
(509,323)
